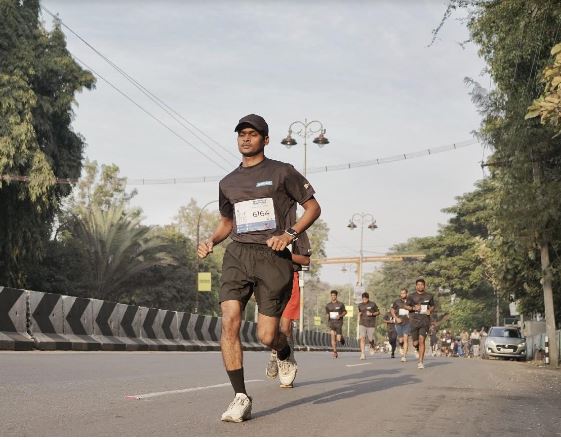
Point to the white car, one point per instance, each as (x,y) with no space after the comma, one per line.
(505,342)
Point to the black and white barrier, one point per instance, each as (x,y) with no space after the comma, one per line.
(13,320)
(46,321)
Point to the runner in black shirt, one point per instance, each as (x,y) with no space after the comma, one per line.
(255,201)
(367,311)
(335,313)
(421,305)
(392,334)
(400,312)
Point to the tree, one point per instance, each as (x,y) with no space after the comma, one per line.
(318,234)
(548,105)
(115,248)
(514,39)
(38,82)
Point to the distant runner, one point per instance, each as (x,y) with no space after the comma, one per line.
(335,313)
(400,312)
(392,334)
(421,305)
(367,311)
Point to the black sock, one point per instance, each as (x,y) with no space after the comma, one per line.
(237,381)
(284,353)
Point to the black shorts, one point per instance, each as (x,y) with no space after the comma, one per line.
(336,326)
(420,326)
(255,268)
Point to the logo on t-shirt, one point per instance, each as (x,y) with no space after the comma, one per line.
(264,183)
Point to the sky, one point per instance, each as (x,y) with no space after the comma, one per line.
(364,69)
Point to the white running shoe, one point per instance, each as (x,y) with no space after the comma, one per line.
(403,359)
(371,351)
(420,366)
(362,356)
(239,410)
(287,371)
(272,369)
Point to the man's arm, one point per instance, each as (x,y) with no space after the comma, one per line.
(302,260)
(220,234)
(312,211)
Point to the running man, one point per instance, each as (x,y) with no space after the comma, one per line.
(400,312)
(367,311)
(335,313)
(421,304)
(392,334)
(301,253)
(255,200)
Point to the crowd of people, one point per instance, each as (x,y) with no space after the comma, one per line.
(408,326)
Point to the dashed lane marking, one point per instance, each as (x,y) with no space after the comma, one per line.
(184,390)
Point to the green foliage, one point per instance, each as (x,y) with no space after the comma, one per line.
(548,105)
(318,234)
(38,82)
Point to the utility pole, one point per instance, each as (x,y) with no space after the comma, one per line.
(547,277)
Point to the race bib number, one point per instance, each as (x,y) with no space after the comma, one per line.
(424,309)
(403,312)
(333,315)
(255,215)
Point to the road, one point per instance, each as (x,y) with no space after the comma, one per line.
(93,394)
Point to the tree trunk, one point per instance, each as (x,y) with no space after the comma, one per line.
(550,327)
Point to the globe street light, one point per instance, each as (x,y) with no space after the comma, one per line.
(305,130)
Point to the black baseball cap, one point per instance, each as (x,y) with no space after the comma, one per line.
(254,121)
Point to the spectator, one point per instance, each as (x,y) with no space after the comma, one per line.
(474,339)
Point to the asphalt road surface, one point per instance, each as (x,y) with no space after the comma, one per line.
(184,394)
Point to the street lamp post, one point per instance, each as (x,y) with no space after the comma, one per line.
(198,259)
(305,130)
(362,218)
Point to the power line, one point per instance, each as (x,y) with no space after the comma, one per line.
(150,114)
(326,169)
(158,101)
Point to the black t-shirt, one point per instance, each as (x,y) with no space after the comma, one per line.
(333,309)
(363,308)
(400,310)
(260,198)
(424,299)
(391,326)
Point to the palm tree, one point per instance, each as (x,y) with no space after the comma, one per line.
(116,247)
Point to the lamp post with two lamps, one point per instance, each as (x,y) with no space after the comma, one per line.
(305,130)
(362,218)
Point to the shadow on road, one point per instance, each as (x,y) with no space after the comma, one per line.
(364,383)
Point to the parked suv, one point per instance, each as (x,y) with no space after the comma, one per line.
(504,342)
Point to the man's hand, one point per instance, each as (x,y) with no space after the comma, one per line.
(279,242)
(205,248)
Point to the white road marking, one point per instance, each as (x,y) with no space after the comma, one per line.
(358,365)
(185,390)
